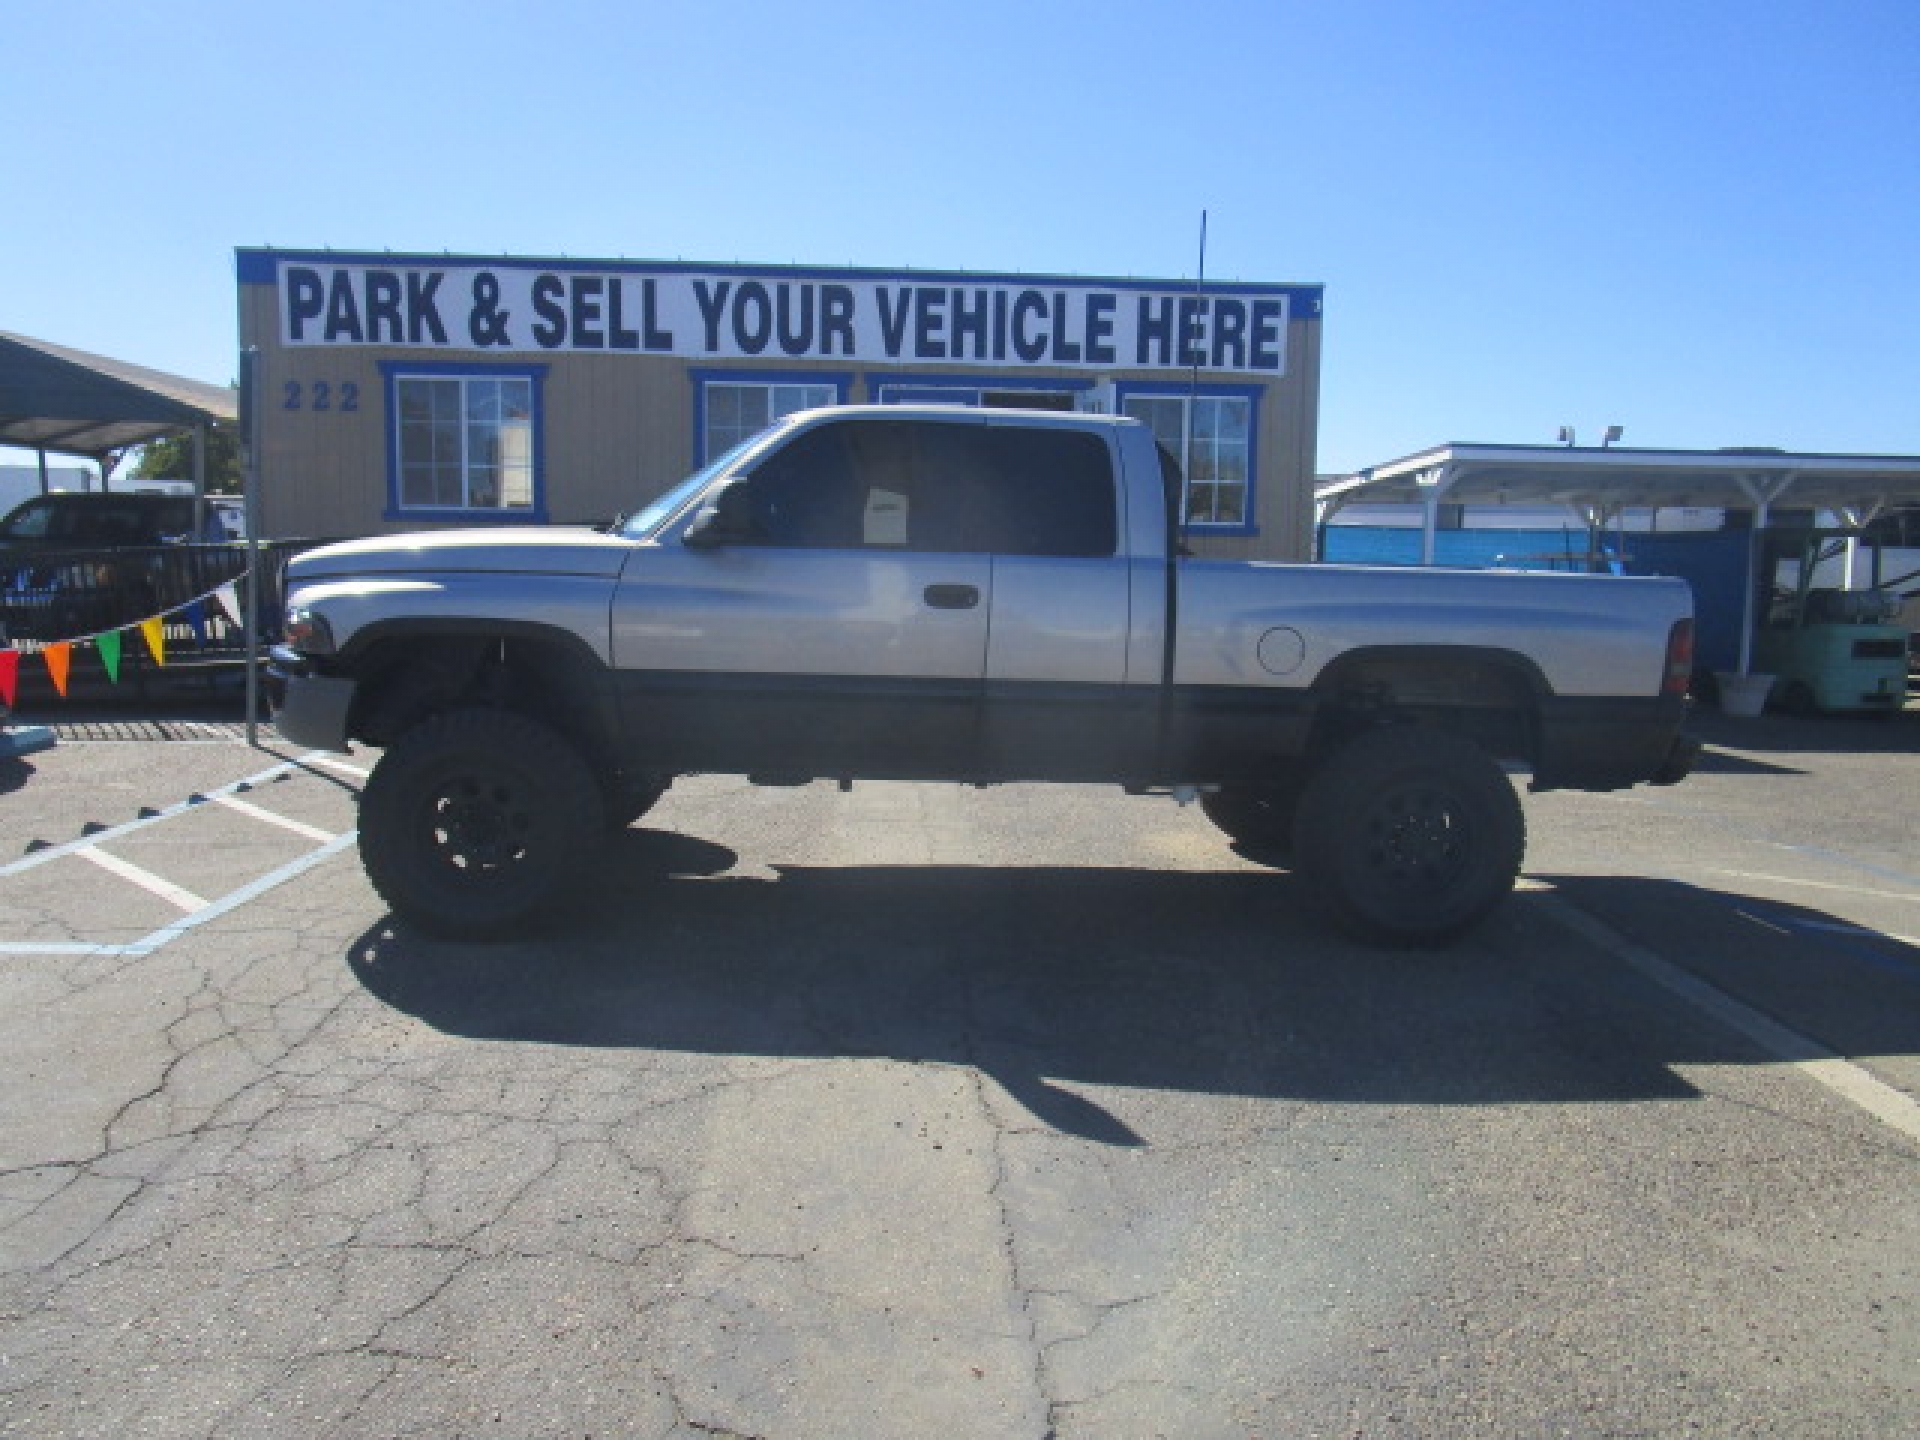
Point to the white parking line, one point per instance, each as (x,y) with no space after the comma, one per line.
(334,763)
(199,910)
(285,822)
(1806,884)
(149,943)
(1891,1107)
(55,852)
(148,881)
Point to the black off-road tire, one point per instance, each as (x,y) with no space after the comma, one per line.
(1409,837)
(1257,817)
(477,822)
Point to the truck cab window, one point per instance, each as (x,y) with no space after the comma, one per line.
(939,489)
(1006,490)
(1062,484)
(812,494)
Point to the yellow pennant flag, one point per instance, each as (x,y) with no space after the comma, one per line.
(156,635)
(57,656)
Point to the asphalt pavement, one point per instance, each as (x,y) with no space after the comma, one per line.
(920,1110)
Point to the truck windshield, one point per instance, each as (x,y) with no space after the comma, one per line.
(642,525)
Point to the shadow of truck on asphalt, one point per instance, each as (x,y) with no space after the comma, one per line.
(1055,977)
(1851,988)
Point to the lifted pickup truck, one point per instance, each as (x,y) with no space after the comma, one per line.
(974,596)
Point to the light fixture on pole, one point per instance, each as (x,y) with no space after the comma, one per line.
(1614,432)
(1566,435)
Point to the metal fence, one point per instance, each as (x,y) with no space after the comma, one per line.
(80,595)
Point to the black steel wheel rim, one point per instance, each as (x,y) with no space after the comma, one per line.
(1417,835)
(479,824)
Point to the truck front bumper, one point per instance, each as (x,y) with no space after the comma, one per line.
(308,710)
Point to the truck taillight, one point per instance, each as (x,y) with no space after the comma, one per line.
(1679,658)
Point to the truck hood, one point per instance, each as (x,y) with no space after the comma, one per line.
(524,550)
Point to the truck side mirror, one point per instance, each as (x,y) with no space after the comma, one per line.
(725,518)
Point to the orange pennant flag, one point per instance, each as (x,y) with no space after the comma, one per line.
(156,635)
(58,655)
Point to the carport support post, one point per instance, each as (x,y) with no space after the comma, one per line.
(1858,517)
(200,482)
(1762,494)
(1434,485)
(250,471)
(1323,513)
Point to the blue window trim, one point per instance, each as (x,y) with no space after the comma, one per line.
(974,381)
(840,380)
(394,371)
(1125,390)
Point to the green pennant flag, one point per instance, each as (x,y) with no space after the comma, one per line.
(109,644)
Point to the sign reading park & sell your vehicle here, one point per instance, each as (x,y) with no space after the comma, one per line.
(719,313)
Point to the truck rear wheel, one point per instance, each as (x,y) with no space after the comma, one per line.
(476,822)
(1409,836)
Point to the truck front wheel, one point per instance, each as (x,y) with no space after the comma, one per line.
(1408,836)
(475,822)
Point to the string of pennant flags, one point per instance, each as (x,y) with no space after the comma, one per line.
(58,654)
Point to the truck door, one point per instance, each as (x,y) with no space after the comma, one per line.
(1045,506)
(845,635)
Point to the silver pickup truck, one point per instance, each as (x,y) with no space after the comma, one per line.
(904,593)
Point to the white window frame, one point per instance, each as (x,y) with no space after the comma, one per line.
(785,394)
(1187,446)
(525,465)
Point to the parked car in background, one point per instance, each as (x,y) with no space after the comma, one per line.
(67,520)
(74,564)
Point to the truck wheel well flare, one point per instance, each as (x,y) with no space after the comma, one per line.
(416,676)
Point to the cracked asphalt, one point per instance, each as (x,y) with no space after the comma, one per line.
(924,1111)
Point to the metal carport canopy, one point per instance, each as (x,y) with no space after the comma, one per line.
(1604,481)
(73,403)
(1601,482)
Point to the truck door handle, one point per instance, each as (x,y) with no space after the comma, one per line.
(952,597)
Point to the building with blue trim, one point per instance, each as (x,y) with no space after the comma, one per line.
(401,391)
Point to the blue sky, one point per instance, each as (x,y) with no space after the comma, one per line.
(1697,220)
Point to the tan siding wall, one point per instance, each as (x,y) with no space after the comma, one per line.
(1288,440)
(618,430)
(322,473)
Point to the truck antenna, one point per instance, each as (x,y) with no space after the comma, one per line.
(1193,380)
